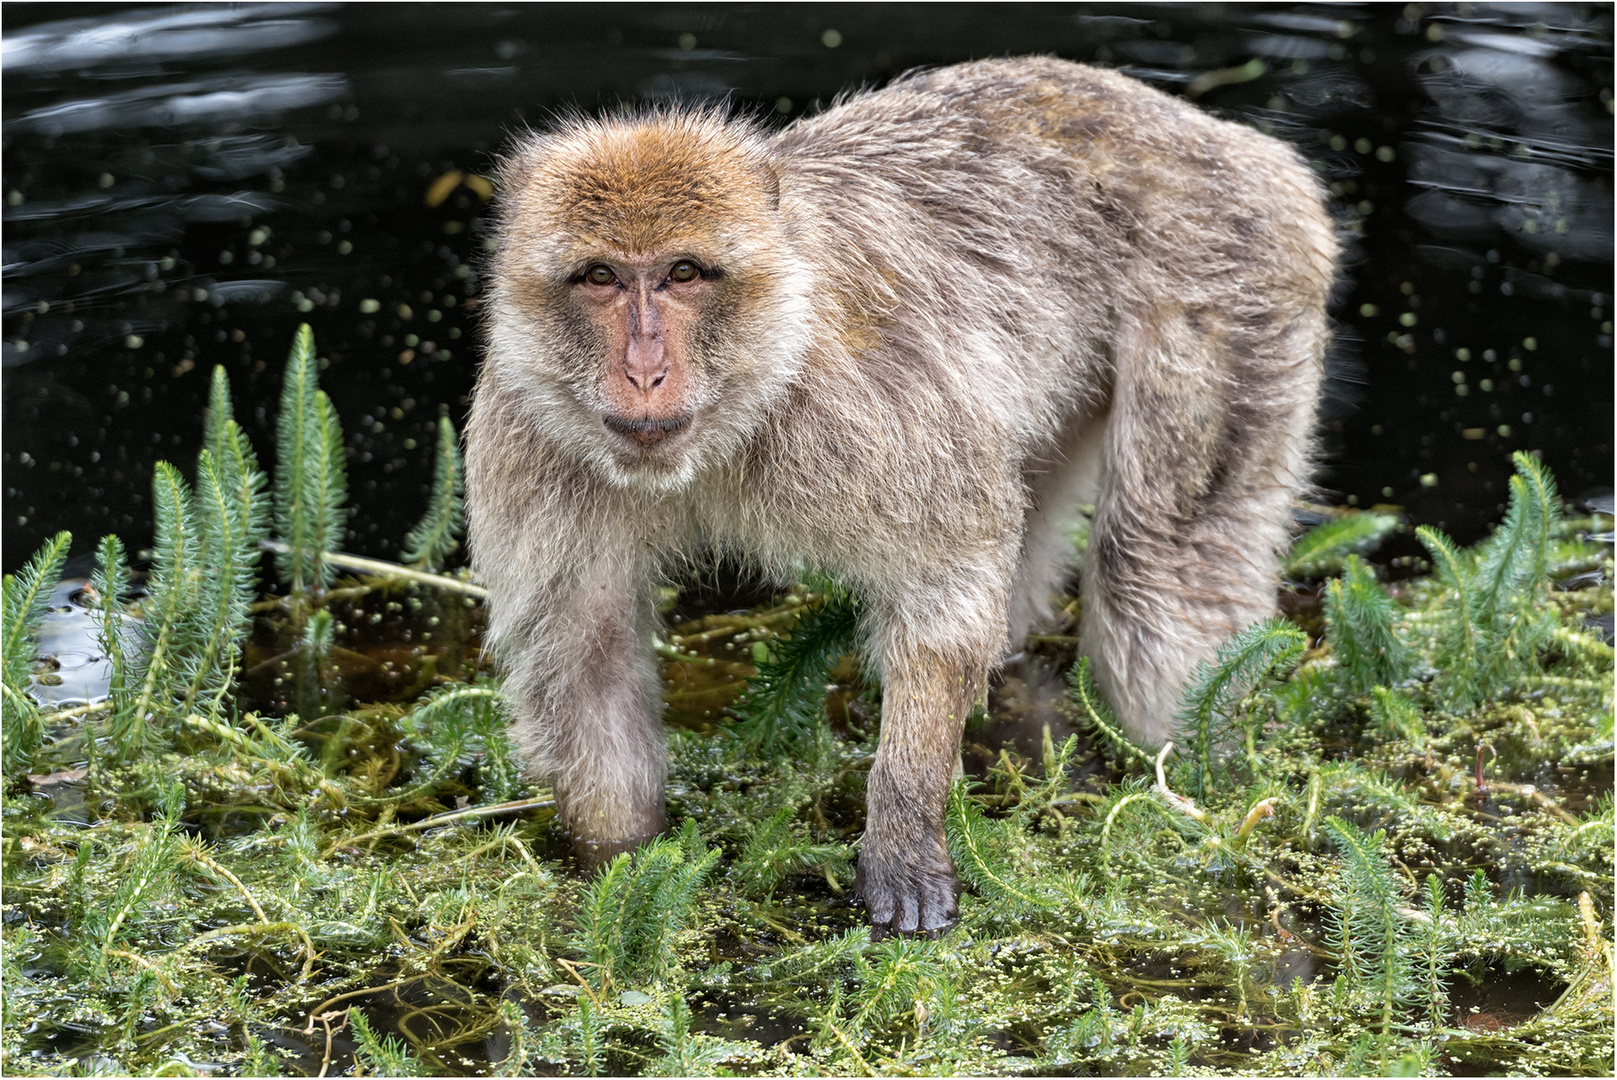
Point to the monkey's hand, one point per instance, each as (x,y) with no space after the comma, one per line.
(908,887)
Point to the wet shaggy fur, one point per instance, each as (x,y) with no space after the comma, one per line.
(939,313)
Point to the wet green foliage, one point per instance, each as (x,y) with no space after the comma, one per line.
(310,478)
(784,701)
(1327,547)
(1384,846)
(1360,619)
(631,912)
(26,597)
(433,540)
(1218,707)
(1495,620)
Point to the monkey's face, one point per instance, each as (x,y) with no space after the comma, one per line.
(648,306)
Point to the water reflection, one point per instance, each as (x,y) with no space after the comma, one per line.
(184,185)
(161,35)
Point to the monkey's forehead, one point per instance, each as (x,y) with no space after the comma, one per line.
(642,186)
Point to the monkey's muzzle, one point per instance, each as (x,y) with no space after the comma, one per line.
(648,432)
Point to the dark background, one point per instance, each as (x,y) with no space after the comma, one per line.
(184,185)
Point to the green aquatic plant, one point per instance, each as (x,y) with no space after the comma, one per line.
(1430,943)
(310,477)
(780,846)
(632,912)
(1368,928)
(145,878)
(688,1053)
(109,586)
(1094,713)
(1361,624)
(986,856)
(1496,627)
(1396,715)
(892,978)
(1211,714)
(27,596)
(173,633)
(1326,548)
(232,523)
(432,541)
(785,702)
(380,1055)
(184,651)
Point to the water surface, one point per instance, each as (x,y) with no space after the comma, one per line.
(184,185)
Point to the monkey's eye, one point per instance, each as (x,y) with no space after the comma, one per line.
(684,270)
(600,275)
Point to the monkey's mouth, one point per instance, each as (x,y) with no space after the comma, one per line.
(647,432)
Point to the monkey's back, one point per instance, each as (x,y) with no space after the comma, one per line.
(984,232)
(1034,164)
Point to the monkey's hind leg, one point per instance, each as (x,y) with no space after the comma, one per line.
(1206,446)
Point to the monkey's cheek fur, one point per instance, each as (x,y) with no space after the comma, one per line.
(907,894)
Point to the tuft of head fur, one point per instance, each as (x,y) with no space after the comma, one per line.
(636,182)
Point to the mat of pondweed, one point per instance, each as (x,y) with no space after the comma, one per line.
(1383,843)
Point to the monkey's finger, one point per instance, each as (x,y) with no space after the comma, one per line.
(907,917)
(879,904)
(939,909)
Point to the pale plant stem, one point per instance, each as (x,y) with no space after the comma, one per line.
(359,564)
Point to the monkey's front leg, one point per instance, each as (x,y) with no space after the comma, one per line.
(906,876)
(587,696)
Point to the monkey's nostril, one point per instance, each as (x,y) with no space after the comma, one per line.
(644,380)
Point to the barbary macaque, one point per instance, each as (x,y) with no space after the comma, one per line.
(896,342)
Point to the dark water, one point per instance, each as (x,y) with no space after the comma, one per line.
(184,185)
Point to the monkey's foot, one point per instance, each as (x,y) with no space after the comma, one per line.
(624,831)
(910,894)
(594,852)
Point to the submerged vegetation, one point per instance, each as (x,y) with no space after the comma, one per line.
(278,843)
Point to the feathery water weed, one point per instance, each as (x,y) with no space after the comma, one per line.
(231,516)
(1368,928)
(780,846)
(1212,713)
(1361,625)
(1094,713)
(785,702)
(310,477)
(433,539)
(27,594)
(631,914)
(1327,547)
(1498,624)
(379,1055)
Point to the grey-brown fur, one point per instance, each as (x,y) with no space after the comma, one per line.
(947,309)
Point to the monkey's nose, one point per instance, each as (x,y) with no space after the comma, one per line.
(644,380)
(645,365)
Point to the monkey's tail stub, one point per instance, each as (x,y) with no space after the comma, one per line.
(1208,440)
